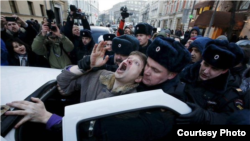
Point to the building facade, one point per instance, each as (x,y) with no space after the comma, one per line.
(89,7)
(27,9)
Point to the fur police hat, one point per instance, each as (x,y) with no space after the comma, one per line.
(125,44)
(169,53)
(200,43)
(143,28)
(238,52)
(85,33)
(218,55)
(108,37)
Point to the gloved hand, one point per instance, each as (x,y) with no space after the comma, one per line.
(84,63)
(124,15)
(120,31)
(197,116)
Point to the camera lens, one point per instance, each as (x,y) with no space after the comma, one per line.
(53,28)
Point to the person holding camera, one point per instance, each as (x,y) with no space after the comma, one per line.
(10,29)
(52,44)
(124,15)
(83,44)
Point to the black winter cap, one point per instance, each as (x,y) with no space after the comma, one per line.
(108,37)
(143,28)
(169,53)
(125,44)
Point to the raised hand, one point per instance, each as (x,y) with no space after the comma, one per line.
(45,28)
(97,56)
(34,112)
(57,32)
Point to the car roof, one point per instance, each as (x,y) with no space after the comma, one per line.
(17,82)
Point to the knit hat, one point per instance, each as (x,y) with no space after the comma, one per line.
(125,44)
(200,43)
(222,37)
(169,53)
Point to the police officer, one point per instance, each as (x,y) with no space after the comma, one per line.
(207,91)
(108,38)
(143,34)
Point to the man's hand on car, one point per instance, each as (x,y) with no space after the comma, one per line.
(32,111)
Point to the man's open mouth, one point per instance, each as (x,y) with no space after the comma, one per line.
(123,66)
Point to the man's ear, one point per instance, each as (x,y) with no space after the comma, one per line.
(138,79)
(171,75)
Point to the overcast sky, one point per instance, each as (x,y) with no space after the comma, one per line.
(107,4)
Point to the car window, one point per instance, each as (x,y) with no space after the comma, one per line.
(139,124)
(131,106)
(44,92)
(96,35)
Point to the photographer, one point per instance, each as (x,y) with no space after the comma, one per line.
(81,46)
(124,15)
(10,29)
(53,45)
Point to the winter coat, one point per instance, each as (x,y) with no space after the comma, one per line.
(93,85)
(214,95)
(144,49)
(245,85)
(4,54)
(57,57)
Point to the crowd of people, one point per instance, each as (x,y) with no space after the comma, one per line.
(211,75)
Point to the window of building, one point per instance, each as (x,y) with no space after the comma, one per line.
(13,6)
(42,9)
(30,4)
(244,5)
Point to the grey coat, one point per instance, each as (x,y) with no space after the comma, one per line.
(245,85)
(93,85)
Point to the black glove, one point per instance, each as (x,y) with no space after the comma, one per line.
(120,31)
(124,15)
(197,116)
(84,63)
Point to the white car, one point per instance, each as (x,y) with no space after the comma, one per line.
(20,83)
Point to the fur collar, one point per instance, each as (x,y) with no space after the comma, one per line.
(219,84)
(109,80)
(12,34)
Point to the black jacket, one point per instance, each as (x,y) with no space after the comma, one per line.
(144,49)
(216,91)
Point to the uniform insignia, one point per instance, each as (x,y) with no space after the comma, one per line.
(119,45)
(158,49)
(216,57)
(83,33)
(239,104)
(109,36)
(137,28)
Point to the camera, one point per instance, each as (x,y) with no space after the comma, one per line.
(51,17)
(124,12)
(77,12)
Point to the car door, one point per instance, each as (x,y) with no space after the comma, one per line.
(86,114)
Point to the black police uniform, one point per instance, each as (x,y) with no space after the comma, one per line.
(214,95)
